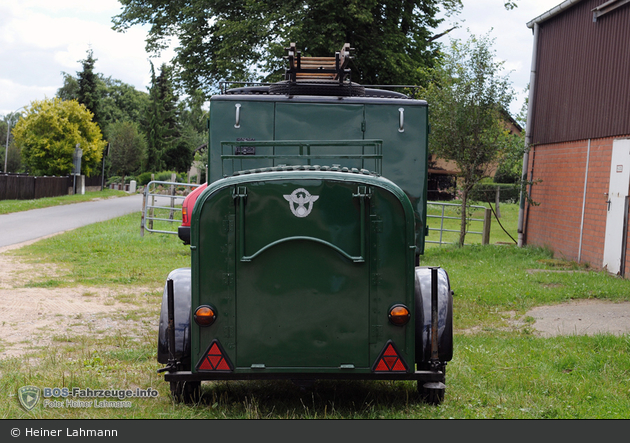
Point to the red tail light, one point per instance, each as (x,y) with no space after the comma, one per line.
(185,215)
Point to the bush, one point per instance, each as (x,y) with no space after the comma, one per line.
(507,174)
(163,176)
(508,193)
(144,178)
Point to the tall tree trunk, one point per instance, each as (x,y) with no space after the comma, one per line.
(462,226)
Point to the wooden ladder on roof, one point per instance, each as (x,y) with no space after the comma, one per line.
(318,68)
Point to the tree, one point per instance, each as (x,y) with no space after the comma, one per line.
(70,88)
(117,100)
(127,147)
(163,129)
(49,132)
(245,40)
(88,93)
(468,97)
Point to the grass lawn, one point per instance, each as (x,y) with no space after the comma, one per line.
(500,369)
(8,206)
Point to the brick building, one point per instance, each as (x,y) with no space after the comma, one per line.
(578,130)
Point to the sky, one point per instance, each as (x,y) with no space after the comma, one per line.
(40,39)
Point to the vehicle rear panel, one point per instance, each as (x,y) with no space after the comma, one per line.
(302,268)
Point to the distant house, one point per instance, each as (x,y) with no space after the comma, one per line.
(579,132)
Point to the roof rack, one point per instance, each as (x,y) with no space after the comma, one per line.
(318,68)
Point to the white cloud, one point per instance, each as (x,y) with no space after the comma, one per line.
(513,39)
(40,38)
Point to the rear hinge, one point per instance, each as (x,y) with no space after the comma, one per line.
(239,192)
(363,192)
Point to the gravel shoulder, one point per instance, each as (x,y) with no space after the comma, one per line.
(582,317)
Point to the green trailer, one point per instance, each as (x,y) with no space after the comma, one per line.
(305,244)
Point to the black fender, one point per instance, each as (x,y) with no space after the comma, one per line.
(181,298)
(423,315)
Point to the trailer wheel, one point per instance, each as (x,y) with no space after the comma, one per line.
(432,392)
(187,392)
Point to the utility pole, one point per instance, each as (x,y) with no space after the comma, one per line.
(6,149)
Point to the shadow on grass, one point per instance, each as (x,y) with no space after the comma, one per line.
(323,399)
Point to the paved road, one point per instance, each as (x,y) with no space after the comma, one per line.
(23,226)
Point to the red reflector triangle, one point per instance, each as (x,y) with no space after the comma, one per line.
(214,360)
(206,365)
(223,366)
(381,366)
(390,361)
(390,351)
(214,350)
(399,366)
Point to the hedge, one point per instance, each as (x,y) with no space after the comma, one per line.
(508,192)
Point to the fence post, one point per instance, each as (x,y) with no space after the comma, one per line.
(152,204)
(497,201)
(487,220)
(144,210)
(173,178)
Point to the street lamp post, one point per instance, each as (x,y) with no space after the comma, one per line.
(6,149)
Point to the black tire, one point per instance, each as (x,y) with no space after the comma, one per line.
(432,392)
(187,392)
(319,89)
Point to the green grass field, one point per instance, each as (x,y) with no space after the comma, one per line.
(500,369)
(8,206)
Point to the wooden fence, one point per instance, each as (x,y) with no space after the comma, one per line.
(24,187)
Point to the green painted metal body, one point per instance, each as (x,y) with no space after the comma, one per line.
(303,294)
(400,125)
(304,251)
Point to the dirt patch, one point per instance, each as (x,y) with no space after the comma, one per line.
(582,317)
(35,317)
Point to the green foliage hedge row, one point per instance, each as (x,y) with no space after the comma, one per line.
(508,192)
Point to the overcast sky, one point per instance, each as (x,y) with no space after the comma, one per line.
(40,39)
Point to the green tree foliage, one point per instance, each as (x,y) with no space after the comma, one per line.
(245,40)
(49,132)
(127,147)
(14,161)
(70,88)
(468,96)
(88,93)
(118,100)
(166,148)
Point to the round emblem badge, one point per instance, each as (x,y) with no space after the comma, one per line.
(301,202)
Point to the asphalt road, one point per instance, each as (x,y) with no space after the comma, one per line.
(23,226)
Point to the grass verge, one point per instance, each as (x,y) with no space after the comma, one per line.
(8,206)
(500,369)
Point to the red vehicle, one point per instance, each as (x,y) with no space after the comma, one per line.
(183,232)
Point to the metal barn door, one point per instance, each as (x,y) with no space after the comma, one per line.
(616,219)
